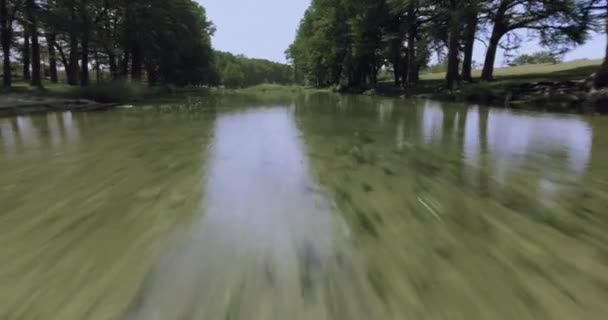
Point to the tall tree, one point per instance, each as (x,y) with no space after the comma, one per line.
(8,10)
(455,24)
(31,25)
(554,21)
(601,76)
(26,56)
(471,20)
(50,40)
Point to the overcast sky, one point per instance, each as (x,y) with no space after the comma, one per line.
(265,28)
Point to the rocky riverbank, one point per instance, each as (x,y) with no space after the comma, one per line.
(557,96)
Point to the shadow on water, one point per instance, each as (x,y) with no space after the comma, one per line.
(321,207)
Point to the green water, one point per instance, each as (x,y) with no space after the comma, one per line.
(310,207)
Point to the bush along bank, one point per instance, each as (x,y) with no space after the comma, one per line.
(559,96)
(573,96)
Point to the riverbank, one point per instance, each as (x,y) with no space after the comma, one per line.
(564,87)
(22,99)
(18,104)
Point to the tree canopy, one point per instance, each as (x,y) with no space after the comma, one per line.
(153,41)
(240,71)
(537,58)
(348,41)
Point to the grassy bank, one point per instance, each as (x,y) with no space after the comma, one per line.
(123,92)
(550,87)
(578,69)
(553,87)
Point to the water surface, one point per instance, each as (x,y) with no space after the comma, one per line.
(310,207)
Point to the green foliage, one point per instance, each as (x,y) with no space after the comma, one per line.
(338,41)
(480,93)
(348,42)
(233,76)
(254,71)
(537,58)
(166,42)
(181,43)
(116,92)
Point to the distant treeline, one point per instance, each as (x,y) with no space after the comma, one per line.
(150,41)
(348,42)
(240,71)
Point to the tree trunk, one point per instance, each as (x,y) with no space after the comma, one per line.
(136,64)
(601,77)
(396,74)
(27,75)
(488,66)
(113,66)
(151,73)
(470,31)
(404,68)
(411,47)
(84,59)
(84,45)
(453,44)
(72,71)
(50,40)
(64,60)
(98,76)
(32,26)
(125,65)
(5,37)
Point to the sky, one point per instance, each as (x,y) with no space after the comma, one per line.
(265,28)
(257,28)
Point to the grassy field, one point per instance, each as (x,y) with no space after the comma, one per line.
(567,70)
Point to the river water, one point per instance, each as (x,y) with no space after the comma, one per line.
(308,207)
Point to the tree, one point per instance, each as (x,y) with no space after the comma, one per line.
(537,58)
(471,20)
(556,22)
(31,25)
(50,40)
(601,76)
(8,11)
(455,24)
(255,71)
(165,41)
(26,56)
(233,76)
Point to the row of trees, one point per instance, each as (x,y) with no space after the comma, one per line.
(537,58)
(349,41)
(154,41)
(167,41)
(240,71)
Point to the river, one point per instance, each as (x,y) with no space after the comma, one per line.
(315,206)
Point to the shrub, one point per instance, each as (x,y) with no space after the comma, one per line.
(481,93)
(113,92)
(537,58)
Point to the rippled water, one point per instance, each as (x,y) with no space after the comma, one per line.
(312,207)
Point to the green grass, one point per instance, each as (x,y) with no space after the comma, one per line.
(275,88)
(125,92)
(577,69)
(115,92)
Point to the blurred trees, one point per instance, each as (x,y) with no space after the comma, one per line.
(240,71)
(165,41)
(348,41)
(537,58)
